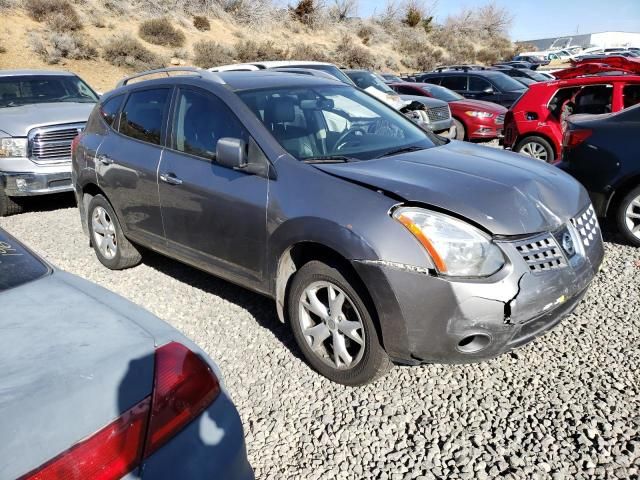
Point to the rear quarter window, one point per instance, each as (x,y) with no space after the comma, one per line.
(17,265)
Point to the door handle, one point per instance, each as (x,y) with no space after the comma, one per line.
(170,178)
(105,159)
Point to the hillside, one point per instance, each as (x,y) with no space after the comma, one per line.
(103,41)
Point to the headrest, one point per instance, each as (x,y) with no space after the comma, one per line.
(280,110)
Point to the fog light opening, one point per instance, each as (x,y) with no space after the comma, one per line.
(474,343)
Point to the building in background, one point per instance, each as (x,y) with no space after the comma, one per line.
(600,39)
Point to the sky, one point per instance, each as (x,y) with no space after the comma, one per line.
(545,18)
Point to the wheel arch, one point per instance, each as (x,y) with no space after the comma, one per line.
(86,192)
(620,192)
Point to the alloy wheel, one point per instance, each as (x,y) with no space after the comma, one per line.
(632,217)
(331,325)
(104,233)
(535,150)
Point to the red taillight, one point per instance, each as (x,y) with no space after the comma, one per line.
(573,138)
(109,454)
(184,386)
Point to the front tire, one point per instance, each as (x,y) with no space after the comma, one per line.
(333,327)
(111,246)
(8,206)
(536,147)
(460,130)
(628,217)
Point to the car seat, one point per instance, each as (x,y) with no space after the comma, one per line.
(278,115)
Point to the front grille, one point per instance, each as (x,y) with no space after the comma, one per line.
(587,225)
(437,114)
(500,119)
(53,144)
(541,253)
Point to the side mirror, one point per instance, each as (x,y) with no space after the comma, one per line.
(231,153)
(488,90)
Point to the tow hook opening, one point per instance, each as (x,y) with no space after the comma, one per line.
(474,343)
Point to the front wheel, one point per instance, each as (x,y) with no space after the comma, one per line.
(460,130)
(333,327)
(536,147)
(628,217)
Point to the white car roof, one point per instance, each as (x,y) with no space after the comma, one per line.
(265,65)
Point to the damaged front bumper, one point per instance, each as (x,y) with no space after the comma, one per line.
(426,318)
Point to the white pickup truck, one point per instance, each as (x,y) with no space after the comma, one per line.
(40,114)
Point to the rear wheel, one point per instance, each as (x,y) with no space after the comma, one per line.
(460,130)
(628,217)
(333,327)
(111,246)
(536,147)
(8,206)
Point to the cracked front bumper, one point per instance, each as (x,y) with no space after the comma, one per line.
(426,318)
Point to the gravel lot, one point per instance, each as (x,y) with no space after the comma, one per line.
(565,406)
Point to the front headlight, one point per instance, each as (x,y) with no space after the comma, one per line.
(477,114)
(456,248)
(13,147)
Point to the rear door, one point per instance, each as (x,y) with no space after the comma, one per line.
(214,216)
(481,89)
(457,83)
(127,163)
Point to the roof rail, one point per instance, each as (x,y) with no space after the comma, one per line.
(461,68)
(198,71)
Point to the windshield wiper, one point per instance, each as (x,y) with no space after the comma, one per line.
(329,159)
(398,151)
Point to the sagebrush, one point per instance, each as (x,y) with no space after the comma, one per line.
(160,31)
(125,51)
(207,54)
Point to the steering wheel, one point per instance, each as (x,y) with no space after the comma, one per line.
(342,140)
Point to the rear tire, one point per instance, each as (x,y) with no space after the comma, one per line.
(111,246)
(344,345)
(628,217)
(8,206)
(460,130)
(536,147)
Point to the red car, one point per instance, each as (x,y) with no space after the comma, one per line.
(474,119)
(534,124)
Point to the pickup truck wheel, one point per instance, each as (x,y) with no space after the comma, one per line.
(460,130)
(536,147)
(8,206)
(333,327)
(628,217)
(111,246)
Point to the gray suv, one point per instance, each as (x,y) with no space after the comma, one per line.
(40,114)
(380,242)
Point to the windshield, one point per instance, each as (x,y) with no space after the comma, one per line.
(17,265)
(505,83)
(365,80)
(336,123)
(441,93)
(331,70)
(29,89)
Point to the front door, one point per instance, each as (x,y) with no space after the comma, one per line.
(127,164)
(214,216)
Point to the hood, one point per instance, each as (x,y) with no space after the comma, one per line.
(479,105)
(506,193)
(65,344)
(17,121)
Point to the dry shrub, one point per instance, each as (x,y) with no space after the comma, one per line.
(412,17)
(59,22)
(305,12)
(341,10)
(160,31)
(41,10)
(3,49)
(201,23)
(6,5)
(54,46)
(250,51)
(412,42)
(98,21)
(208,53)
(306,51)
(116,7)
(126,51)
(365,32)
(349,54)
(256,14)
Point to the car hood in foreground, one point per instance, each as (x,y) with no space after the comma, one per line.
(506,193)
(17,121)
(72,360)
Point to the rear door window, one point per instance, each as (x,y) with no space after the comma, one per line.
(630,95)
(143,115)
(17,265)
(455,82)
(477,84)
